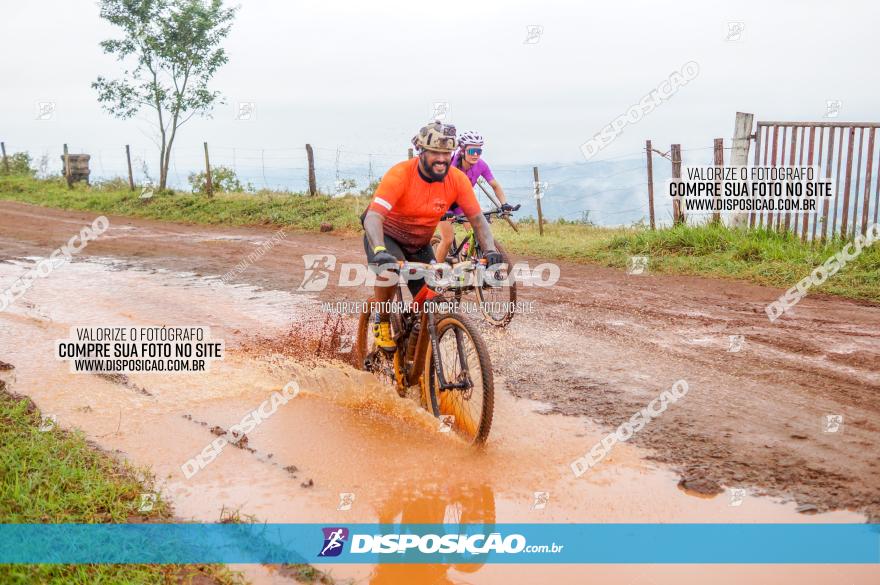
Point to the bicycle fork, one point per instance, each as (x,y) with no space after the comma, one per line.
(465,383)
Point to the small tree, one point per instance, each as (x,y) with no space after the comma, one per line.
(344,186)
(19,164)
(371,188)
(584,219)
(175,48)
(223,180)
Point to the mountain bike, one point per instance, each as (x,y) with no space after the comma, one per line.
(497,294)
(439,352)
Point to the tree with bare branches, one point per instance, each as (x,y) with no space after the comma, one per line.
(170,50)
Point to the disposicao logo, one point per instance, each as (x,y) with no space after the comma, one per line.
(334,541)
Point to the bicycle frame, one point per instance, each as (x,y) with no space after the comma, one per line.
(456,248)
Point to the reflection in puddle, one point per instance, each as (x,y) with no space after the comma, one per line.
(465,508)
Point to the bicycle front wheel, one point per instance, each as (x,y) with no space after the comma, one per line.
(467,411)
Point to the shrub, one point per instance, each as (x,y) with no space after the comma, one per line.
(223,179)
(371,188)
(19,164)
(114,184)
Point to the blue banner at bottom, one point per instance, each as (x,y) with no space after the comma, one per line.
(442,543)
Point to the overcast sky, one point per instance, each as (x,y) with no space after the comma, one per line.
(364,75)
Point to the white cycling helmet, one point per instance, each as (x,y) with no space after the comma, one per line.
(470,138)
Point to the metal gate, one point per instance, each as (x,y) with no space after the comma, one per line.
(821,144)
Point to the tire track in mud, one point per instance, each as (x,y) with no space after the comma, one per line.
(124,381)
(240,441)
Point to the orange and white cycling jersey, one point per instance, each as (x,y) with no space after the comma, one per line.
(412,206)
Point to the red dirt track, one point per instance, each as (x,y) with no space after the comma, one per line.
(602,344)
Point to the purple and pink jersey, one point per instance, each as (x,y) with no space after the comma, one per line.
(481,169)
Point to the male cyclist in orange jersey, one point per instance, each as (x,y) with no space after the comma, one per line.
(408,204)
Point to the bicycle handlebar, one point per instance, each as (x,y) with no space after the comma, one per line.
(434,267)
(487,214)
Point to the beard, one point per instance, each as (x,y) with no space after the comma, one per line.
(433,174)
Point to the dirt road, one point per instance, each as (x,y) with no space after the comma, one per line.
(596,348)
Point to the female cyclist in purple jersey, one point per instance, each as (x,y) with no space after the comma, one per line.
(468,160)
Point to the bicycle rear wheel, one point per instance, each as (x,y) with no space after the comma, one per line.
(498,301)
(464,358)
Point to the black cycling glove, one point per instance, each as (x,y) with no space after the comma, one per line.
(383,257)
(492,258)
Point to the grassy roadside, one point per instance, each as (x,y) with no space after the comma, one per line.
(55,476)
(761,256)
(264,208)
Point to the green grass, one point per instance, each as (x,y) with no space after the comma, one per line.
(56,476)
(759,256)
(264,208)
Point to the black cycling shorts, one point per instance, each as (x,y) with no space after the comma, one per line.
(424,254)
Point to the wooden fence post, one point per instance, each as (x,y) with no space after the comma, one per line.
(313,186)
(812,143)
(67,168)
(877,197)
(130,174)
(826,203)
(868,177)
(650,154)
(739,155)
(847,183)
(794,142)
(209,184)
(5,160)
(677,213)
(719,162)
(538,195)
(754,215)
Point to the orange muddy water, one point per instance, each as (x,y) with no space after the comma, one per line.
(343,434)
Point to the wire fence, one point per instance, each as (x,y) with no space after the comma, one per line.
(605,192)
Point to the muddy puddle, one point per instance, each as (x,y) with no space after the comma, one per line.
(346,449)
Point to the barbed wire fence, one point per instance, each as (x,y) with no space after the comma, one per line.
(610,191)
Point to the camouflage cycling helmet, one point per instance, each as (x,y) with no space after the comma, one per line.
(436,136)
